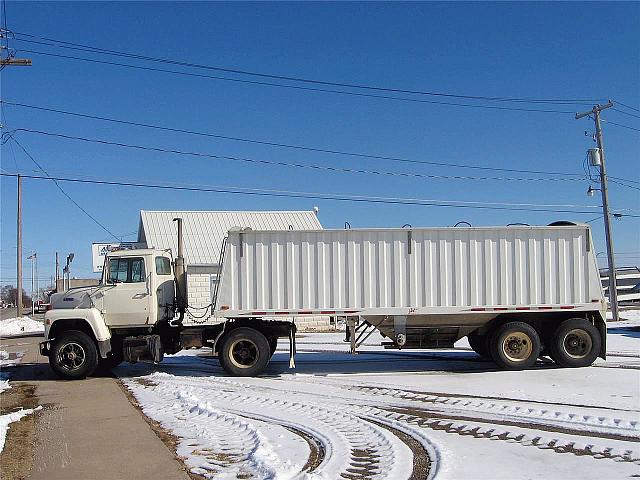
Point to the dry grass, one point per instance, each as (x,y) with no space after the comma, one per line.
(16,459)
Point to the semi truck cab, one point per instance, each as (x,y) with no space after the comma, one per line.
(136,296)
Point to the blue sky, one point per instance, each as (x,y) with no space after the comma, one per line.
(538,50)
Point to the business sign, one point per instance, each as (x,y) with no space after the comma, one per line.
(99,250)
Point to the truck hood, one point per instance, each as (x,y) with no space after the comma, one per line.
(73,298)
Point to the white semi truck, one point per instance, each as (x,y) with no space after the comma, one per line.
(517,293)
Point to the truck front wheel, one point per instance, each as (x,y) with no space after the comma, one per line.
(245,352)
(575,343)
(515,346)
(73,355)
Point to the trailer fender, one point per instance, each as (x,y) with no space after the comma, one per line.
(89,320)
(602,328)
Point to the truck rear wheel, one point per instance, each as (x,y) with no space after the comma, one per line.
(73,355)
(245,352)
(515,346)
(575,343)
(273,345)
(479,344)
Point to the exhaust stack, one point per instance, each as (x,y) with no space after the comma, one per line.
(180,274)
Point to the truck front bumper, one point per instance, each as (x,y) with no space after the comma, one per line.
(45,348)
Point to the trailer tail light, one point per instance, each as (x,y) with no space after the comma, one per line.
(48,307)
(224,307)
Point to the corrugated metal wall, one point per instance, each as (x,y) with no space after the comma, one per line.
(374,268)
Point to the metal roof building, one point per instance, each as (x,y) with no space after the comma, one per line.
(203,233)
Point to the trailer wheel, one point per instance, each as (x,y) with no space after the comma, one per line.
(515,346)
(575,343)
(245,352)
(479,344)
(73,355)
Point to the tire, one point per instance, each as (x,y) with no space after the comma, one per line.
(575,343)
(112,361)
(479,344)
(515,346)
(74,355)
(114,358)
(245,352)
(273,345)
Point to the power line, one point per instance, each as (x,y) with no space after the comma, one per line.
(625,113)
(620,125)
(289,164)
(62,190)
(282,145)
(627,180)
(296,87)
(93,49)
(628,106)
(618,182)
(335,197)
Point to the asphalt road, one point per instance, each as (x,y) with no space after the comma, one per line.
(13,312)
(87,429)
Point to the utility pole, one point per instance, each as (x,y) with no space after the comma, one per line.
(613,293)
(37,278)
(57,270)
(32,257)
(10,60)
(19,249)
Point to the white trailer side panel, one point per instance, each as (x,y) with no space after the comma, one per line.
(430,268)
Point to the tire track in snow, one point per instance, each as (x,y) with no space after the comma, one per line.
(521,436)
(623,429)
(213,442)
(319,408)
(373,451)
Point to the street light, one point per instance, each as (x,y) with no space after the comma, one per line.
(67,270)
(34,258)
(591,191)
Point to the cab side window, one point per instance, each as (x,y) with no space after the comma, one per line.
(163,266)
(126,270)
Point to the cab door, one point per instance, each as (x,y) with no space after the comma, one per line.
(126,301)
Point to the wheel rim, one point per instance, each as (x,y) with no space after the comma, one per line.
(71,356)
(517,347)
(577,343)
(244,353)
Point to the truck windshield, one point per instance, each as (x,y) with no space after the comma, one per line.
(126,270)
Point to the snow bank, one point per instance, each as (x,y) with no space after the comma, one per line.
(628,315)
(19,326)
(5,420)
(4,382)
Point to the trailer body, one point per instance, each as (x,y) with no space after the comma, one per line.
(408,281)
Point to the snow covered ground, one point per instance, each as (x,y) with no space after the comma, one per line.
(20,326)
(383,414)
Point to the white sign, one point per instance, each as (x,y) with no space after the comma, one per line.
(99,250)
